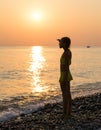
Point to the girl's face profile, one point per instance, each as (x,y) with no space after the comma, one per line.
(61,44)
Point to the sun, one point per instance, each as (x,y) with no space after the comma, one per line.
(37,16)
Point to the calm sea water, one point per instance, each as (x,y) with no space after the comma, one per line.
(29,76)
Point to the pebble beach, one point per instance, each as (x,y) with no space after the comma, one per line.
(86,115)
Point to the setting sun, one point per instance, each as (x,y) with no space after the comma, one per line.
(41,22)
(37,16)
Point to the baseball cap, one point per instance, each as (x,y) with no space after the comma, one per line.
(64,39)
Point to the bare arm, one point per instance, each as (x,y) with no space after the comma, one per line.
(65,65)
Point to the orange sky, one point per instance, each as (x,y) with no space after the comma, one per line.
(78,19)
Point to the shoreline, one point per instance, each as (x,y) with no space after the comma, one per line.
(86,115)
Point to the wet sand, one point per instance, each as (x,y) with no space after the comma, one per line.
(86,115)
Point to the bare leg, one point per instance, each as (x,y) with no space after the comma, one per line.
(67,101)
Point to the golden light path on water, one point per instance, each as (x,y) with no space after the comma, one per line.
(36,66)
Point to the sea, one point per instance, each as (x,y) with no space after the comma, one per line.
(29,77)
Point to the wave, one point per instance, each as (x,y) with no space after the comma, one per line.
(24,104)
(13,74)
(14,111)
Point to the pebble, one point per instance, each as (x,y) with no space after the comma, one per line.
(86,115)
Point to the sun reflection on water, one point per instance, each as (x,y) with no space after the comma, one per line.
(36,66)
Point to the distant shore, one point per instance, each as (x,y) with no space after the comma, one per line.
(86,115)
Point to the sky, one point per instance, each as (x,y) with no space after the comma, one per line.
(41,22)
